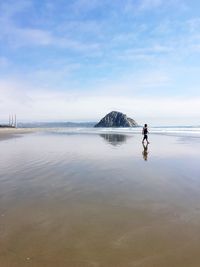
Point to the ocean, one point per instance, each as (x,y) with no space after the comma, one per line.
(188,131)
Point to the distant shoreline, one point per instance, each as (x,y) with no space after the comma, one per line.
(6,126)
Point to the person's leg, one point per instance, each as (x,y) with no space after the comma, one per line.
(146,138)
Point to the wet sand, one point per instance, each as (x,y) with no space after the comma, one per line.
(99,200)
(7,133)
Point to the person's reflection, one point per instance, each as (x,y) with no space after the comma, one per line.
(145,152)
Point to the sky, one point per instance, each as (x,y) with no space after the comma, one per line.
(77,60)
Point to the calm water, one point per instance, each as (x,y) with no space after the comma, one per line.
(99,200)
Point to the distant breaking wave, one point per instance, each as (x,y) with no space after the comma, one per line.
(88,127)
(177,131)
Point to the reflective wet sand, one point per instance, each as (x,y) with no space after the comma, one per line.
(103,201)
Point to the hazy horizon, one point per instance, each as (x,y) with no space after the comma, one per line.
(90,122)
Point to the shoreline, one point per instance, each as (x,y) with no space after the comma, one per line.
(8,133)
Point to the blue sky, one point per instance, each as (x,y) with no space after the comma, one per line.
(76,60)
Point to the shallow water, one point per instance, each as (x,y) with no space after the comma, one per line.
(99,200)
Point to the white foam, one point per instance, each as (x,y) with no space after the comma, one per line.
(179,131)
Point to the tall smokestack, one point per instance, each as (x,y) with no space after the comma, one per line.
(15,121)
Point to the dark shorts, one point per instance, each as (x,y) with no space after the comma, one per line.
(145,136)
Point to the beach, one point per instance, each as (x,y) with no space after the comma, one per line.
(7,133)
(98,199)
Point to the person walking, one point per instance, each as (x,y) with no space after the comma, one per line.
(145,133)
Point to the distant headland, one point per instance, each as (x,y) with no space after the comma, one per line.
(116,119)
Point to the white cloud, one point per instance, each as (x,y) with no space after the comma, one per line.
(135,84)
(9,8)
(15,35)
(18,36)
(4,62)
(46,105)
(193,24)
(142,6)
(150,4)
(31,37)
(135,8)
(151,53)
(81,6)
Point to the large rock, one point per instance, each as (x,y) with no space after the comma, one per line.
(116,119)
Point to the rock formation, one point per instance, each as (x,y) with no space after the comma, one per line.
(116,119)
